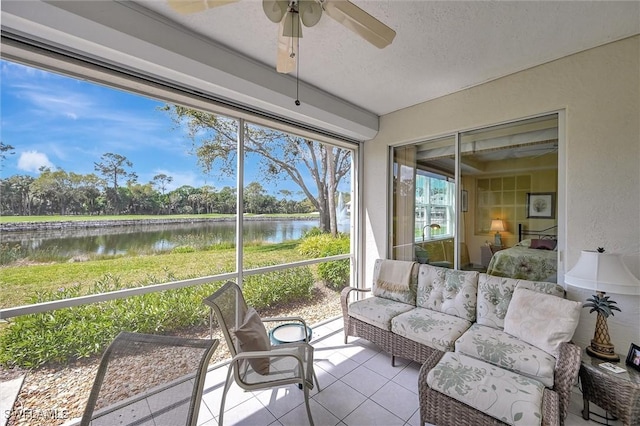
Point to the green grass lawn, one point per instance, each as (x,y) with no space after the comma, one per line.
(21,283)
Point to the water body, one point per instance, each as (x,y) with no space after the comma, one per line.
(123,240)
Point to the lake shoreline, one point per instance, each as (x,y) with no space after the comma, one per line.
(59,225)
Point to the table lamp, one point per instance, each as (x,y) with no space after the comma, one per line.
(498,226)
(604,273)
(431,227)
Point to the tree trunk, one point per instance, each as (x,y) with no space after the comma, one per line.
(325,220)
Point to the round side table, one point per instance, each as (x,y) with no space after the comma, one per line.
(617,393)
(289,333)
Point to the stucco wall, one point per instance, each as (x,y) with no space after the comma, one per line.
(599,192)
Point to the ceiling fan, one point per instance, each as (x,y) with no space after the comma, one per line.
(289,14)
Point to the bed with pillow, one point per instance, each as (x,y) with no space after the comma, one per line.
(533,258)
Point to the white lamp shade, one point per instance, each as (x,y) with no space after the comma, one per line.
(497,225)
(605,272)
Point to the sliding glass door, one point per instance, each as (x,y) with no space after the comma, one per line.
(457,200)
(424,202)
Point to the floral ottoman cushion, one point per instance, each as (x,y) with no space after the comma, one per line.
(509,397)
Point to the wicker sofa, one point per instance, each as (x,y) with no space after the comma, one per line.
(464,312)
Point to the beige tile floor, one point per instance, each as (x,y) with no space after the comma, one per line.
(358,387)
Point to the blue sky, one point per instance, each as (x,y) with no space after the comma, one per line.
(56,121)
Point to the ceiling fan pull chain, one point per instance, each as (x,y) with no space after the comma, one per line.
(298,73)
(292,51)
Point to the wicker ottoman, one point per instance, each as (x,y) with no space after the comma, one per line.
(439,409)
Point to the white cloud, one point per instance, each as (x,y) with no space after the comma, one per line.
(31,161)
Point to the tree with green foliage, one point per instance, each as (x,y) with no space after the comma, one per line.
(68,193)
(90,193)
(161,181)
(253,195)
(55,187)
(17,196)
(113,167)
(282,156)
(143,198)
(5,149)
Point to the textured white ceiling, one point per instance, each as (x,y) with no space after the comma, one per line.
(441,46)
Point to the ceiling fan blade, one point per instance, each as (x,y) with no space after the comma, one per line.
(310,12)
(360,22)
(194,6)
(287,51)
(275,9)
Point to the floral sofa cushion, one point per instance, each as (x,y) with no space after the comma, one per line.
(449,291)
(431,328)
(494,295)
(504,350)
(402,290)
(378,311)
(542,287)
(502,394)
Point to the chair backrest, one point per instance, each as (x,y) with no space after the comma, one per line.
(145,378)
(230,309)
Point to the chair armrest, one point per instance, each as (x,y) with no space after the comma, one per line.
(566,374)
(266,354)
(284,350)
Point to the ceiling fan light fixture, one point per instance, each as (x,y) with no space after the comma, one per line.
(291,27)
(275,9)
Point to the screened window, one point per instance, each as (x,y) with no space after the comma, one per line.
(157,188)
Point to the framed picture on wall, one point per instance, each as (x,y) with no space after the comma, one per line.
(465,201)
(633,358)
(541,205)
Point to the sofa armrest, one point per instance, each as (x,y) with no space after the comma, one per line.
(344,297)
(344,302)
(566,375)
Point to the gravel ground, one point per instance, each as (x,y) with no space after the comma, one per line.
(53,394)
